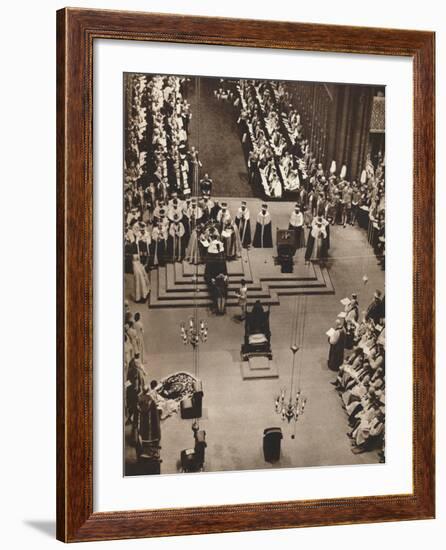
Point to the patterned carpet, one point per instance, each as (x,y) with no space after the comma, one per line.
(177,386)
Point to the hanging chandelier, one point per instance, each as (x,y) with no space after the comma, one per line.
(293,407)
(192,332)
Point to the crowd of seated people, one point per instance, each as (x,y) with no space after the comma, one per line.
(157,157)
(279,161)
(271,163)
(277,155)
(360,377)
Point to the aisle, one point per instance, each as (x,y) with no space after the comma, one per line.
(214,131)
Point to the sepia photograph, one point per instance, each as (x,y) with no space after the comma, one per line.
(253,274)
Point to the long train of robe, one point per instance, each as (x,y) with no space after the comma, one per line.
(232,243)
(175,242)
(141,279)
(157,251)
(244,228)
(317,244)
(193,251)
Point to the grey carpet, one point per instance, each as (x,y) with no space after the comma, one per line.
(214,132)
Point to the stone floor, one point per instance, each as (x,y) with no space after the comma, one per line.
(236,411)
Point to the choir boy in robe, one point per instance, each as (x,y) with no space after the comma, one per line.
(263,236)
(297,225)
(244,224)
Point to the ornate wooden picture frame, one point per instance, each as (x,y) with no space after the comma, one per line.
(77,29)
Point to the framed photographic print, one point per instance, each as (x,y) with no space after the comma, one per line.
(245,275)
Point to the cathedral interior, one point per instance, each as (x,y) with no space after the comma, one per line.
(207,391)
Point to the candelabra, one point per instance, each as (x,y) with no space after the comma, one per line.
(291,409)
(193,332)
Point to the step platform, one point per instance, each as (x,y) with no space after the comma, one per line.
(175,286)
(259,367)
